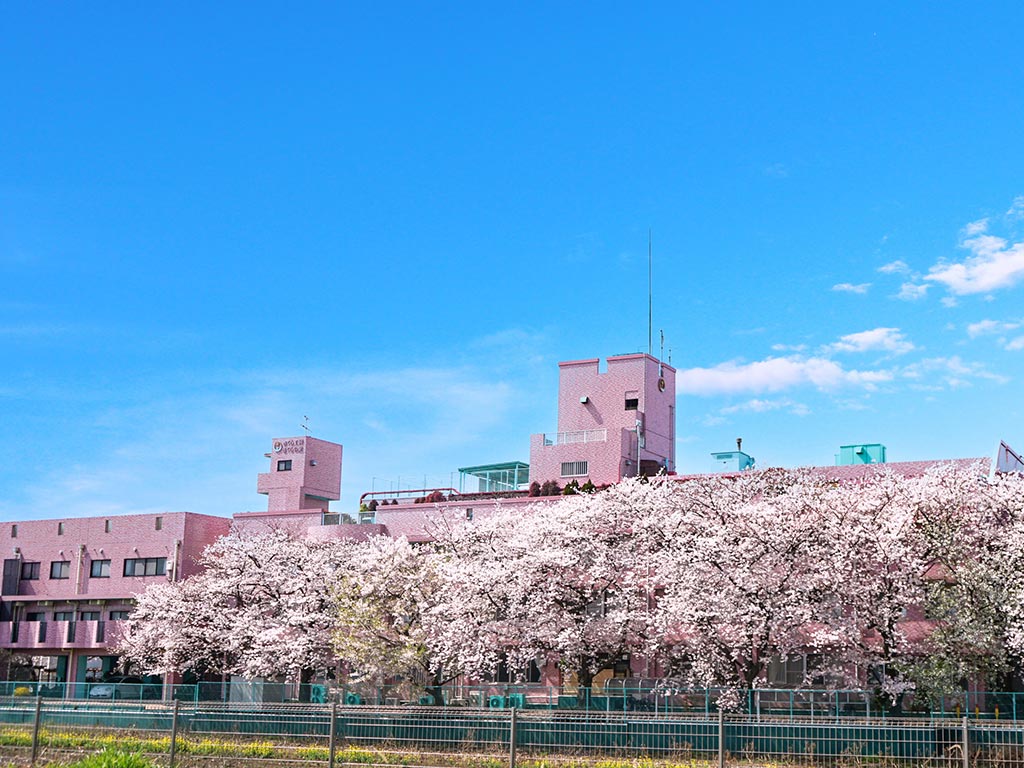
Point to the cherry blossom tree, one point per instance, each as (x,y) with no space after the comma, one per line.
(569,582)
(976,527)
(262,607)
(743,577)
(384,630)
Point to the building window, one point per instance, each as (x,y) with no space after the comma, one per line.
(574,468)
(106,526)
(158,523)
(632,403)
(63,615)
(40,616)
(29,571)
(285,465)
(89,616)
(119,615)
(60,569)
(145,566)
(60,529)
(14,531)
(100,569)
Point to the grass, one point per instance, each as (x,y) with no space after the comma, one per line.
(123,750)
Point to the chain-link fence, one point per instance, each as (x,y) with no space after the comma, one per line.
(179,734)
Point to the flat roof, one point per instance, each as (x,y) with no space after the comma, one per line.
(494,467)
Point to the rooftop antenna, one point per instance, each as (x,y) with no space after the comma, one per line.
(650,293)
(305,424)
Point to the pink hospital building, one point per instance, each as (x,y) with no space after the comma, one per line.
(69,584)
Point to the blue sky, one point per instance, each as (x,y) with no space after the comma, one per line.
(395,220)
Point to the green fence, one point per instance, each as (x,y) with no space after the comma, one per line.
(316,732)
(614,696)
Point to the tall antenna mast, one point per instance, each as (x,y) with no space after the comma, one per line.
(650,295)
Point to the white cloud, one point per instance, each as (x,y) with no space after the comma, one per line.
(1016,210)
(993,262)
(1015,345)
(976,227)
(851,288)
(986,327)
(763,406)
(894,267)
(912,292)
(949,301)
(953,371)
(877,339)
(788,347)
(774,375)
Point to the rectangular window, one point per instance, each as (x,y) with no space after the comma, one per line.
(63,615)
(574,468)
(14,531)
(60,569)
(40,616)
(89,616)
(284,465)
(158,523)
(632,403)
(145,566)
(106,526)
(29,571)
(119,615)
(100,569)
(60,529)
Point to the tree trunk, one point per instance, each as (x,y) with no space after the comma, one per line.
(436,690)
(584,682)
(305,684)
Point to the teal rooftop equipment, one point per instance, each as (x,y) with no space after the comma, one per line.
(733,461)
(860,453)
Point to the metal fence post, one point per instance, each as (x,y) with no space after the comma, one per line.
(332,734)
(35,728)
(512,738)
(965,744)
(172,751)
(721,739)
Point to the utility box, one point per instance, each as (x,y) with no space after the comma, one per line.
(860,453)
(732,461)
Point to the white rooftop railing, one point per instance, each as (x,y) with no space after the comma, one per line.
(579,436)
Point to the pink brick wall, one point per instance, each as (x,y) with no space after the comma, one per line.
(315,472)
(85,540)
(627,377)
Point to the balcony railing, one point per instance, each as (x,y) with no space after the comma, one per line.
(580,436)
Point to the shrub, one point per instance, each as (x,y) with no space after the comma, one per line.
(22,690)
(534,488)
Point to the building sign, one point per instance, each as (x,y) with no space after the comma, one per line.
(289,446)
